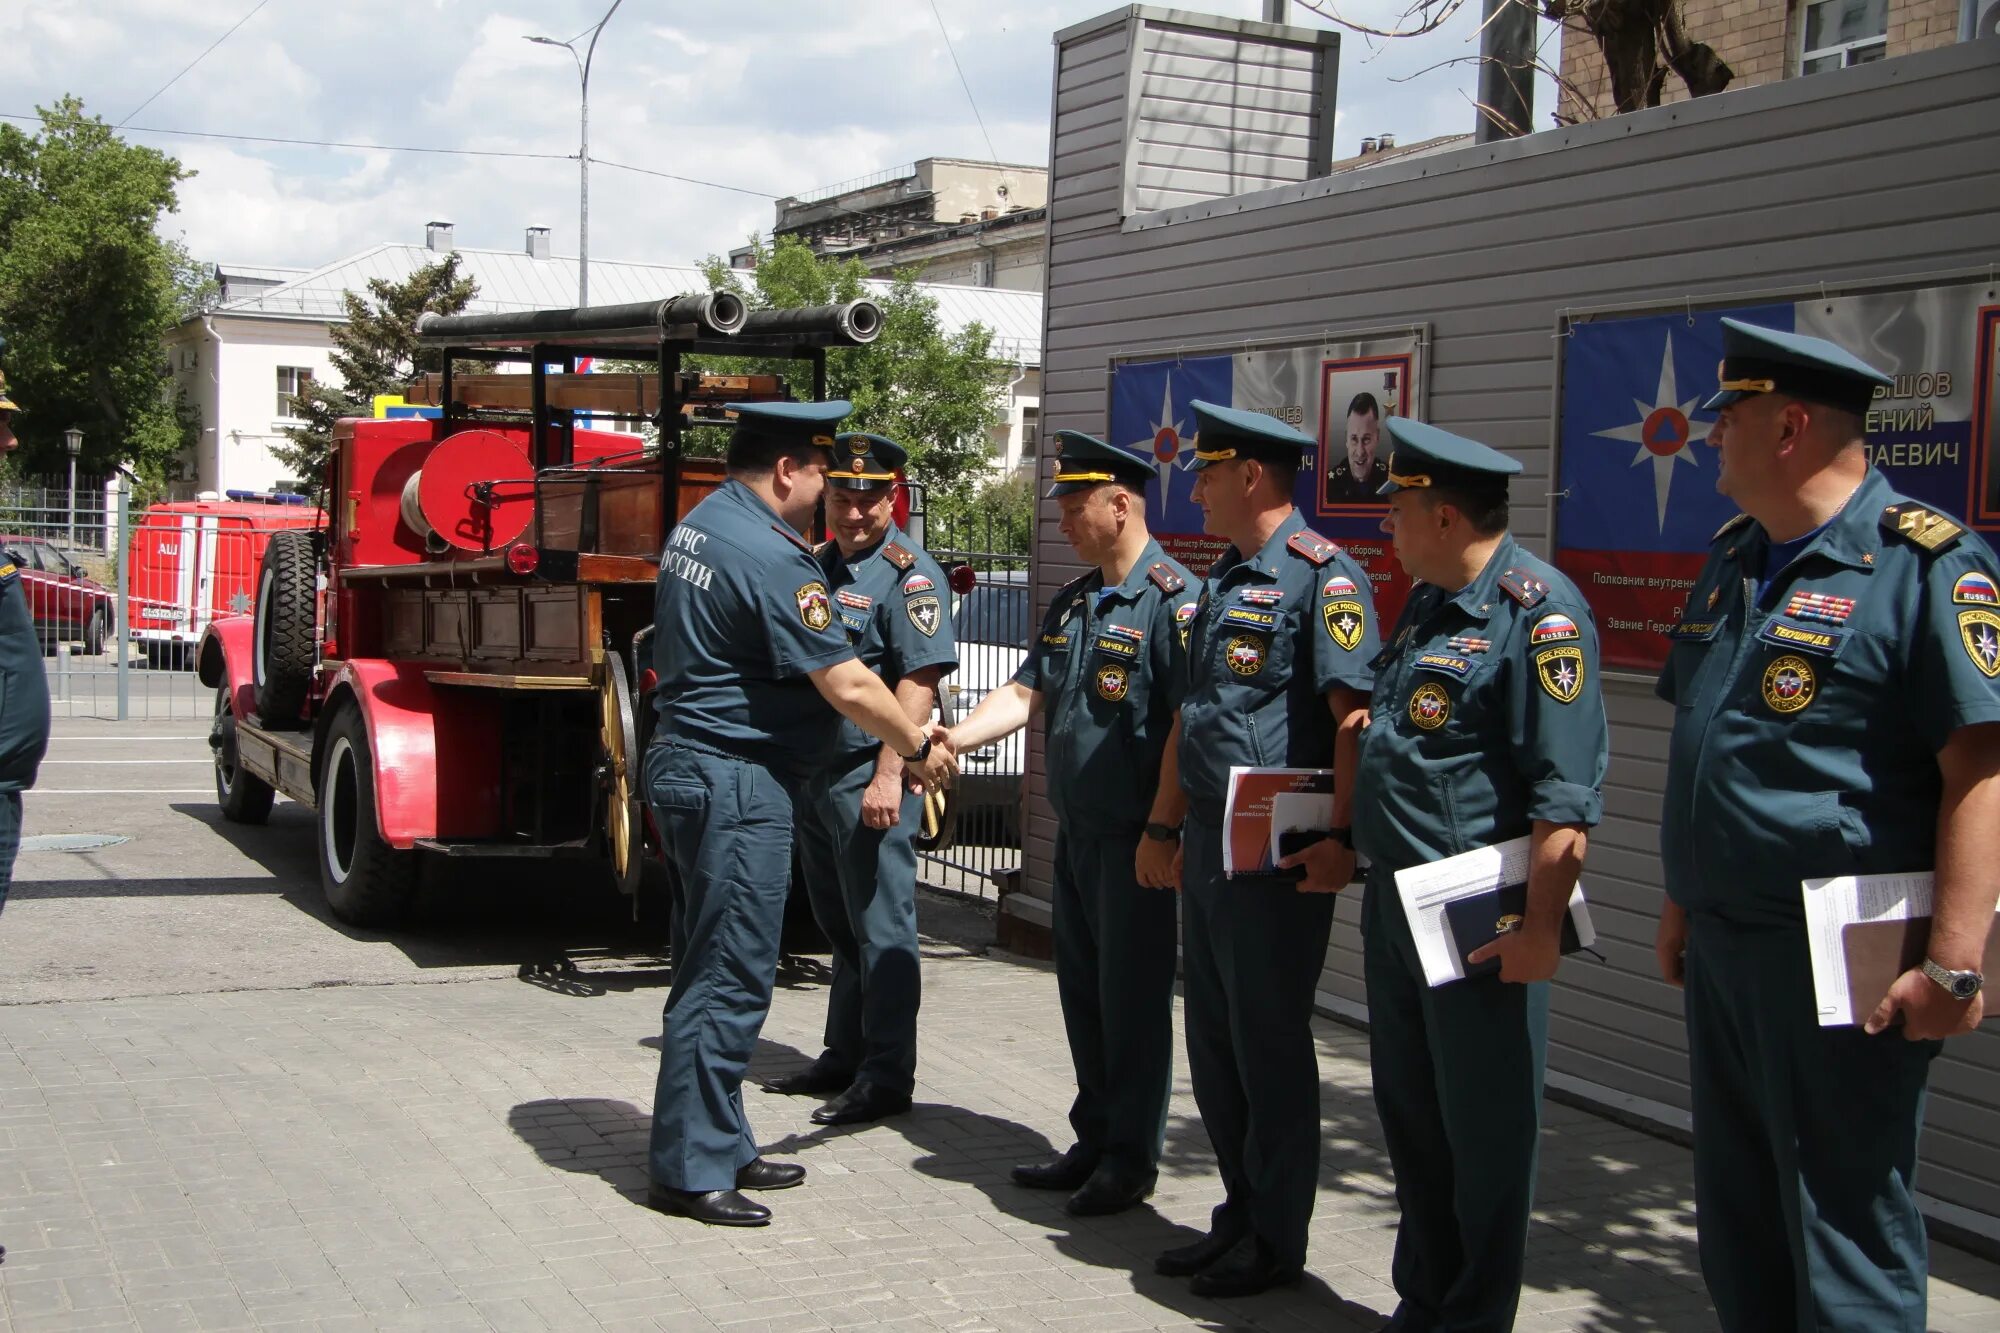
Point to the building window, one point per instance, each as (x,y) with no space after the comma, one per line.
(292,381)
(1031,432)
(1839,33)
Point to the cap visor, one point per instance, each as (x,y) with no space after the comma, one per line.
(1387,488)
(1724,398)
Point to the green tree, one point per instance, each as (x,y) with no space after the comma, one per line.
(998,516)
(375,352)
(935,393)
(88,288)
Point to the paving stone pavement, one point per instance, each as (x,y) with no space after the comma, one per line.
(195,1135)
(467,1154)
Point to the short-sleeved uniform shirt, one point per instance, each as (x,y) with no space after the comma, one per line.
(890,599)
(1107,665)
(742,616)
(1271,634)
(1486,716)
(1808,719)
(24,688)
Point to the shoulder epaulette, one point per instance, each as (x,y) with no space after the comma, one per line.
(1523,587)
(1729,527)
(1163,577)
(1074,585)
(792,537)
(1923,527)
(898,556)
(1312,546)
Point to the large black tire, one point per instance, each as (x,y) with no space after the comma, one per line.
(245,798)
(97,631)
(367,882)
(287,611)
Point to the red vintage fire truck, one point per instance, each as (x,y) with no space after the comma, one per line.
(194,560)
(450,665)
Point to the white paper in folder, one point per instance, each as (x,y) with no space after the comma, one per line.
(1425,890)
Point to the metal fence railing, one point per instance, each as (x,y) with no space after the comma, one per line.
(980,837)
(115,656)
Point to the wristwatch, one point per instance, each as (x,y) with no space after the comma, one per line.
(1961,985)
(1163,833)
(1343,836)
(923,753)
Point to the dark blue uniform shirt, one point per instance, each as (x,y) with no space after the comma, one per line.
(1486,716)
(890,599)
(1271,635)
(24,688)
(1107,664)
(743,615)
(1808,720)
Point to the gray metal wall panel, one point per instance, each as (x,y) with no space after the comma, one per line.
(1843,178)
(1214,112)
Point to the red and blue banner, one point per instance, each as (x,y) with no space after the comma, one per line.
(1314,389)
(1637,506)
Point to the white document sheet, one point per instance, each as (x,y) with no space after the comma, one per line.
(1834,904)
(1425,890)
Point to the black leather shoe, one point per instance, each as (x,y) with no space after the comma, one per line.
(861,1103)
(718,1208)
(1244,1271)
(815,1080)
(1187,1260)
(1108,1192)
(1066,1172)
(759,1174)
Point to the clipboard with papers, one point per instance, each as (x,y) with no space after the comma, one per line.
(1474,886)
(1864,931)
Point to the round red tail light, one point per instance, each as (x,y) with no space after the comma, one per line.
(522,558)
(963,579)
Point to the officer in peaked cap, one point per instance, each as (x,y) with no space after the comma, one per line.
(1486,725)
(1278,659)
(1836,676)
(1104,674)
(24,721)
(858,813)
(755,673)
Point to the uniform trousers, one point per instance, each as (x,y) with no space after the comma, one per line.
(727,827)
(10,840)
(1253,949)
(1114,945)
(1458,1087)
(1805,1145)
(862,883)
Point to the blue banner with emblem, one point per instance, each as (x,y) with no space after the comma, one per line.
(1336,391)
(1636,479)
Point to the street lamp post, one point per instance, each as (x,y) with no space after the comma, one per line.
(72,441)
(583,146)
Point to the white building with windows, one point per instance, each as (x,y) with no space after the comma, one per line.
(241,363)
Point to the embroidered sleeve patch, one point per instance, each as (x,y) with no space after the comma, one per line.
(915,584)
(815,610)
(1560,671)
(925,614)
(1979,631)
(1345,621)
(1554,628)
(1975,589)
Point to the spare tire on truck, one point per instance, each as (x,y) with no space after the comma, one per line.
(286,629)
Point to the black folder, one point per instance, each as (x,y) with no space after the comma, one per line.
(1476,922)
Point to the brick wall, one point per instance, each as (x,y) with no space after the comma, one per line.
(1755,38)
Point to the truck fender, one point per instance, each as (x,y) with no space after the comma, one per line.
(410,724)
(225,654)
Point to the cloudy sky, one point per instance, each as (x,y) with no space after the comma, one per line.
(770,96)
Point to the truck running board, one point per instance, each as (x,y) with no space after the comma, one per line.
(537,851)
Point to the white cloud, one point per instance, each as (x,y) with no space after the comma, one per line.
(773,95)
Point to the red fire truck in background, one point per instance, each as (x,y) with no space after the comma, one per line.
(194,560)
